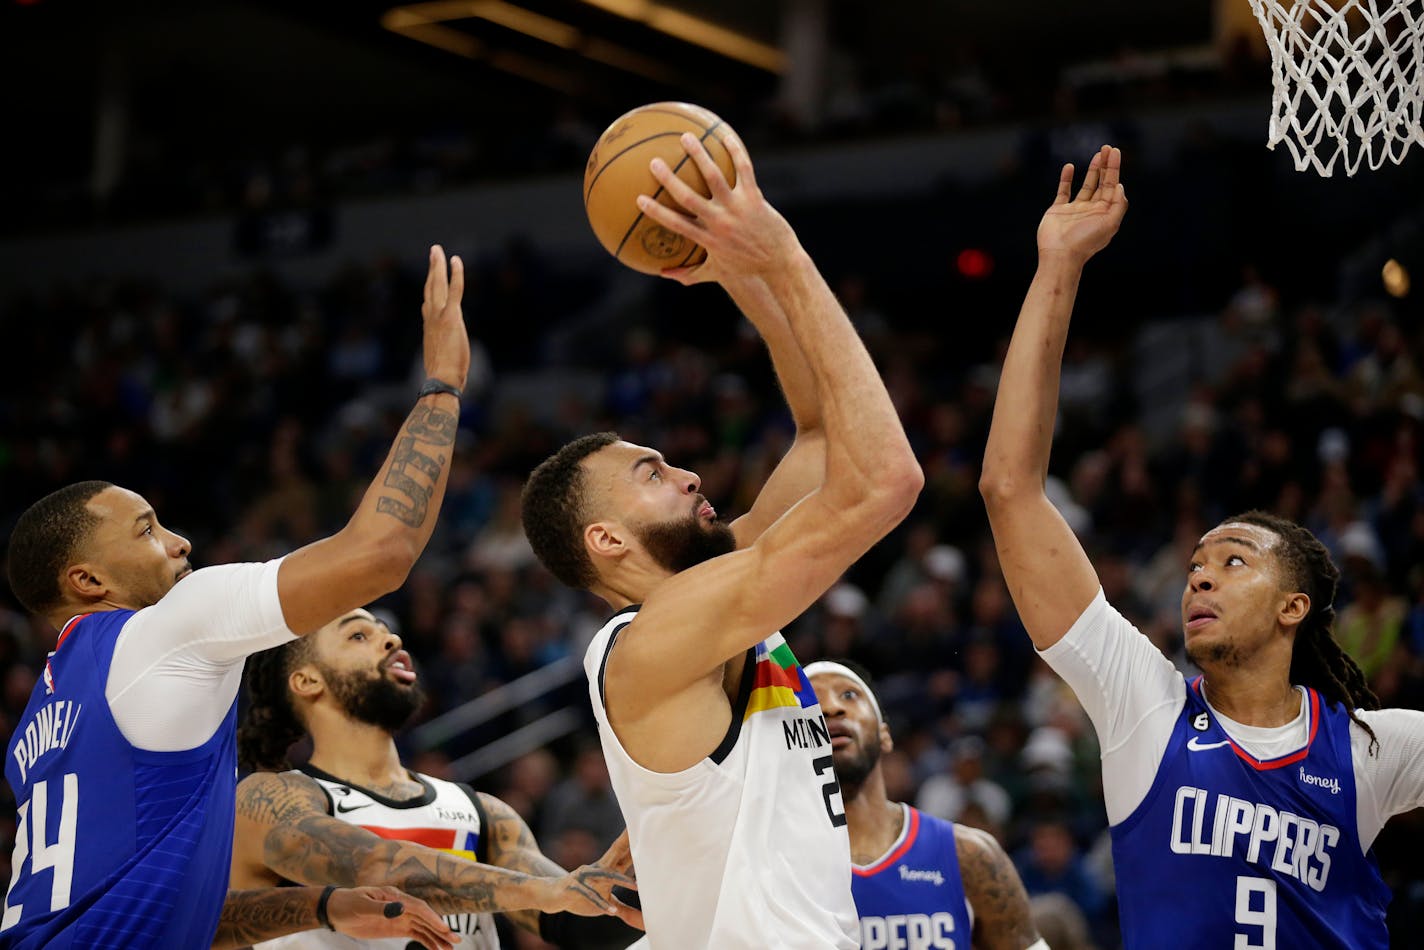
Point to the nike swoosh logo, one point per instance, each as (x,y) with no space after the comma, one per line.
(1198,746)
(343,808)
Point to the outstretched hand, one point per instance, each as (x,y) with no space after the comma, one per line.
(447,342)
(1081,226)
(374,912)
(744,236)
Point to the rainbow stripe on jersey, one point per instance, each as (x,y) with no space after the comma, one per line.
(462,844)
(779,680)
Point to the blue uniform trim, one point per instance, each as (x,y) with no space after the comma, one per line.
(914,895)
(1227,846)
(144,837)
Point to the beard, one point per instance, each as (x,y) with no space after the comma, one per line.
(374,698)
(1215,654)
(853,771)
(678,545)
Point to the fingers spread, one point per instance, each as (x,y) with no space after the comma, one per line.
(716,181)
(679,190)
(1090,180)
(1112,171)
(741,160)
(670,219)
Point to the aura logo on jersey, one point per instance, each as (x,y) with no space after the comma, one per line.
(1237,829)
(908,932)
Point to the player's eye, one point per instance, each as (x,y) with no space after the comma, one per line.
(1193,567)
(358,635)
(1236,558)
(654,474)
(148,529)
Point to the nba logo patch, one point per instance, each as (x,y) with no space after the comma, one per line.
(48,678)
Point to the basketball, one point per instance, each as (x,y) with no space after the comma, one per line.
(617,173)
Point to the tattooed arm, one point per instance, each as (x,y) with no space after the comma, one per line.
(251,916)
(512,846)
(284,817)
(372,555)
(993,889)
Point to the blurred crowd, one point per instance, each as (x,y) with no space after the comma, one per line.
(254,414)
(915,95)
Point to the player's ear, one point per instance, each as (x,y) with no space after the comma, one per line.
(82,583)
(1294,609)
(605,539)
(887,742)
(305,681)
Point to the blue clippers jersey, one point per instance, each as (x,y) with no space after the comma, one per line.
(1232,851)
(913,898)
(116,846)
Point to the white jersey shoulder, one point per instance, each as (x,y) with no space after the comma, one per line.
(445,817)
(748,847)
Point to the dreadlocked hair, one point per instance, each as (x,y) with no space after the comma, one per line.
(270,726)
(1318,661)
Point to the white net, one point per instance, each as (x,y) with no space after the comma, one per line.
(1348,78)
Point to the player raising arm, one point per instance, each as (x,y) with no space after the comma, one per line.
(715,744)
(1243,803)
(126,752)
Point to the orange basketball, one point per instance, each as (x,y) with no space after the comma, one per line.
(617,173)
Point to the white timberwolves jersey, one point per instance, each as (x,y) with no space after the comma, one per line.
(748,847)
(447,817)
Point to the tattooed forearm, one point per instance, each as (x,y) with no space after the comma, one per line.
(412,472)
(250,917)
(320,849)
(512,844)
(1002,920)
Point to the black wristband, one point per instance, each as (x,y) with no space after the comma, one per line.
(321,916)
(432,386)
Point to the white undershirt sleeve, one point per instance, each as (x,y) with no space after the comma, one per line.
(1131,693)
(177,665)
(1390,781)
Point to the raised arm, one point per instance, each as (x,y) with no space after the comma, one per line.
(372,555)
(803,468)
(1048,574)
(704,616)
(1002,920)
(282,826)
(368,913)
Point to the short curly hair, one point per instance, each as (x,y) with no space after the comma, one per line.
(553,510)
(45,540)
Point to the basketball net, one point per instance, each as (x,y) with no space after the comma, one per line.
(1347,78)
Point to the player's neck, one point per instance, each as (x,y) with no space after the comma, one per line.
(629,582)
(1251,698)
(359,753)
(874,822)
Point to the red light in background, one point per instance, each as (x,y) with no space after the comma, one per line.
(974,264)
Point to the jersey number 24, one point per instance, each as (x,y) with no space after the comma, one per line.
(56,856)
